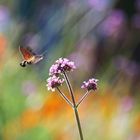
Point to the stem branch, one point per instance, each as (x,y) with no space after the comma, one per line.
(82,98)
(64,97)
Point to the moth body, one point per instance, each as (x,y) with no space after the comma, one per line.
(29,57)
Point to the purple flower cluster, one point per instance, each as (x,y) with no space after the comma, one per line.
(61,65)
(64,65)
(91,84)
(54,82)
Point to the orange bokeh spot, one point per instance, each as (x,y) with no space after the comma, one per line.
(29,119)
(137,124)
(52,106)
(3,44)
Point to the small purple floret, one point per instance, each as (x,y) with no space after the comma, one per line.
(53,82)
(91,84)
(61,65)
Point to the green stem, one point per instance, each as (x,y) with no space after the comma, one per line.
(74,105)
(81,100)
(64,97)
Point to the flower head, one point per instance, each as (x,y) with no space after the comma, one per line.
(54,70)
(53,82)
(91,84)
(62,64)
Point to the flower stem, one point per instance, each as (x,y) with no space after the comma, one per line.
(74,105)
(81,100)
(78,123)
(64,97)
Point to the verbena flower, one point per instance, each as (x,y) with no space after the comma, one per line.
(62,64)
(54,70)
(91,84)
(53,82)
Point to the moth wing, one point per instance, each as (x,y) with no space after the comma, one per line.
(38,58)
(26,52)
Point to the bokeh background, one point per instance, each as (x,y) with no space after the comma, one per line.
(102,37)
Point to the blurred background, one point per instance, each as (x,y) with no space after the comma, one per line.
(102,37)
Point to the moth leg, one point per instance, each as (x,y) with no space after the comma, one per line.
(29,63)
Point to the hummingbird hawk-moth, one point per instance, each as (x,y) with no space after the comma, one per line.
(29,57)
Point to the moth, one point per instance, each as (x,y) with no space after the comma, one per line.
(29,57)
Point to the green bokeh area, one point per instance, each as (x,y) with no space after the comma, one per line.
(37,133)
